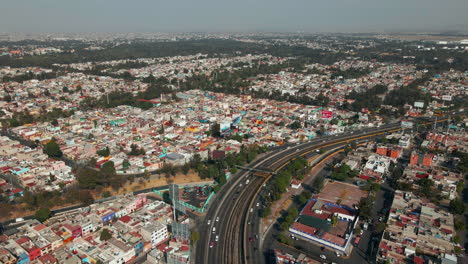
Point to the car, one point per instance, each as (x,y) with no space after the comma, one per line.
(380,219)
(211,244)
(323,257)
(217,219)
(337,254)
(209,222)
(258,204)
(256,236)
(251,210)
(217,238)
(251,239)
(214,230)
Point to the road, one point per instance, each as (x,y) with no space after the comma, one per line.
(235,206)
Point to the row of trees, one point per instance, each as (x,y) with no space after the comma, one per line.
(25,117)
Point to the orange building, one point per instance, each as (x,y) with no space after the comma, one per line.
(414,159)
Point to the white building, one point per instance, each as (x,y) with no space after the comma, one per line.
(155,232)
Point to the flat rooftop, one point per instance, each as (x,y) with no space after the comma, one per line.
(349,194)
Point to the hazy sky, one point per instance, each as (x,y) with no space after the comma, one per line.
(234,15)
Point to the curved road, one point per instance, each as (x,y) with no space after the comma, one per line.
(234,206)
(234,237)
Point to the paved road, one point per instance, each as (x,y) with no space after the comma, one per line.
(236,238)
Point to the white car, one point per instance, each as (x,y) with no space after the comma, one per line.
(217,238)
(258,204)
(217,219)
(209,222)
(323,257)
(337,254)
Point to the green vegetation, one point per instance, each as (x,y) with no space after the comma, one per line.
(365,207)
(194,236)
(265,212)
(457,206)
(459,225)
(103,152)
(409,94)
(42,214)
(282,238)
(288,218)
(24,117)
(52,149)
(369,99)
(343,172)
(318,183)
(136,150)
(462,165)
(302,198)
(105,235)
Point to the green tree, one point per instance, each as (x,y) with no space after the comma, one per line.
(365,208)
(42,214)
(105,235)
(103,152)
(265,212)
(318,183)
(194,236)
(459,225)
(457,206)
(52,149)
(108,168)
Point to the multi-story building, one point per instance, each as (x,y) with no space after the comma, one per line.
(156,232)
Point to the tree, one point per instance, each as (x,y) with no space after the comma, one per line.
(105,235)
(265,212)
(379,227)
(284,239)
(459,225)
(104,152)
(85,197)
(108,168)
(457,206)
(42,214)
(318,183)
(365,208)
(215,130)
(194,236)
(52,149)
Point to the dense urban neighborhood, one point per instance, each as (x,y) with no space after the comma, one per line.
(233,148)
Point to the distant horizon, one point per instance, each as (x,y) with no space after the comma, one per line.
(209,16)
(390,32)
